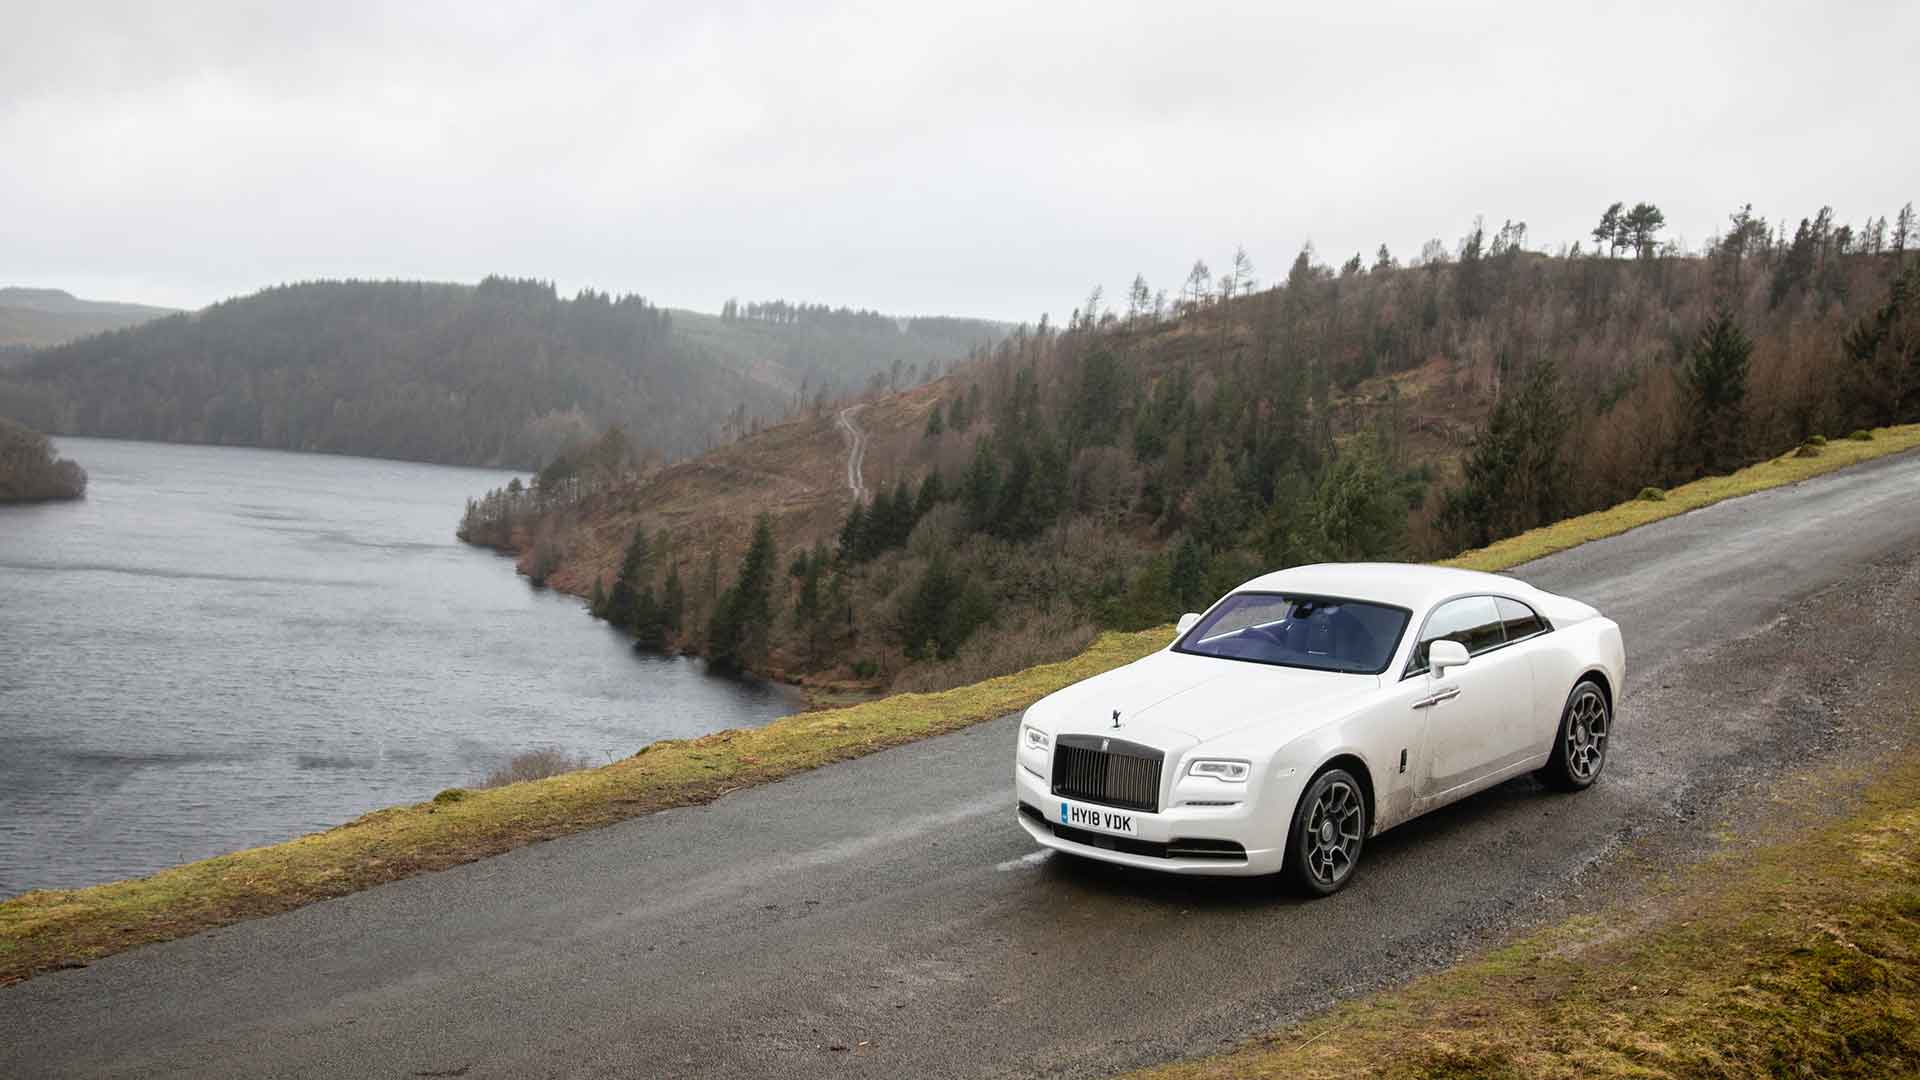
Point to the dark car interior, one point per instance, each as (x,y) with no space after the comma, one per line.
(1311,632)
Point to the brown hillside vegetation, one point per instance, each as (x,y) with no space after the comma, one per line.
(795,472)
(1139,462)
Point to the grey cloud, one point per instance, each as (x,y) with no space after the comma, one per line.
(978,159)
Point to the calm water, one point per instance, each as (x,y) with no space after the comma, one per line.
(220,648)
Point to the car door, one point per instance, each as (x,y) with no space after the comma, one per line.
(1526,633)
(1475,715)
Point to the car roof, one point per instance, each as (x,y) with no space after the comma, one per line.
(1413,586)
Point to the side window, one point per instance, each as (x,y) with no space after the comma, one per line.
(1519,620)
(1472,621)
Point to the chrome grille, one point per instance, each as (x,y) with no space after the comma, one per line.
(1112,772)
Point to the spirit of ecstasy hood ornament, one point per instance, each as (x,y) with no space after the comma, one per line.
(1116,718)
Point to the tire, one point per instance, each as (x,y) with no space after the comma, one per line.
(1580,746)
(1329,830)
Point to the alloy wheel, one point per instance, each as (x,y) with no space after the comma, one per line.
(1586,735)
(1333,833)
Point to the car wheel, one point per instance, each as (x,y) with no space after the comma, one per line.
(1580,747)
(1329,829)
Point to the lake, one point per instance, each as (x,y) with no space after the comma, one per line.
(220,648)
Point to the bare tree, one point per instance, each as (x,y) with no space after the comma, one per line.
(1199,284)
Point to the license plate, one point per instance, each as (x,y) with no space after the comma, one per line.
(1098,819)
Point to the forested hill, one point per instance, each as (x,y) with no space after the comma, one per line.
(1140,461)
(506,372)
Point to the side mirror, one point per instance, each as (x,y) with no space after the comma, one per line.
(1186,622)
(1444,654)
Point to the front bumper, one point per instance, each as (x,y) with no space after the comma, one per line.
(1162,837)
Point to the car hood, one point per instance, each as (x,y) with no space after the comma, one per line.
(1177,698)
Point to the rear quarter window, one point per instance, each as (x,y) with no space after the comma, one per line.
(1519,620)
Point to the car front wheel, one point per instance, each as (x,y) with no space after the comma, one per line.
(1329,829)
(1580,747)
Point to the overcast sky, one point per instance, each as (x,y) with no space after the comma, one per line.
(959,158)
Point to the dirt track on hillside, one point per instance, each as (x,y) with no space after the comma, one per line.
(856,452)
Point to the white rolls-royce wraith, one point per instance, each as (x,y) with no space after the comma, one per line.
(1313,707)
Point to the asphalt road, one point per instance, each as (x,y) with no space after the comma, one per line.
(886,917)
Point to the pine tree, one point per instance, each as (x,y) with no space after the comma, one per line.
(623,602)
(936,425)
(1188,579)
(1470,282)
(649,622)
(853,534)
(1096,414)
(1515,477)
(942,612)
(1641,226)
(806,606)
(1219,507)
(900,517)
(1796,268)
(1357,512)
(927,608)
(1882,384)
(980,487)
(1716,377)
(1610,231)
(723,634)
(597,603)
(737,636)
(931,493)
(673,601)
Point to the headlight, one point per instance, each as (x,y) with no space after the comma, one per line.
(1037,739)
(1233,771)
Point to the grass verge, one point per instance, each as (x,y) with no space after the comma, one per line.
(45,930)
(1797,960)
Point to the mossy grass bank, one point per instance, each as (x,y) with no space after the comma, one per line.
(1799,959)
(45,930)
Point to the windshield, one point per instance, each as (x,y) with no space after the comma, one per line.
(1319,632)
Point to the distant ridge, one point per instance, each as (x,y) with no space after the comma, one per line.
(503,373)
(33,318)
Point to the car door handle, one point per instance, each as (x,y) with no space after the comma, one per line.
(1437,697)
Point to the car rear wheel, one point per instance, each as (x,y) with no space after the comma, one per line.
(1580,747)
(1329,829)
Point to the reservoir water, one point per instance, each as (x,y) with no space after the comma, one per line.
(220,648)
